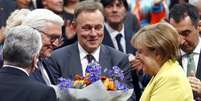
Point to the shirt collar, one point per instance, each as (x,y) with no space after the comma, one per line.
(16,67)
(196,50)
(83,53)
(113,32)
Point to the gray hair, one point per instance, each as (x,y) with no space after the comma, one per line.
(38,19)
(194,2)
(16,18)
(88,6)
(21,43)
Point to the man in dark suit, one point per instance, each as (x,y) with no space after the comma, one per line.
(21,48)
(185,18)
(73,59)
(49,25)
(120,25)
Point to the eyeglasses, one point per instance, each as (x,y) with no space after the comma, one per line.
(88,27)
(52,38)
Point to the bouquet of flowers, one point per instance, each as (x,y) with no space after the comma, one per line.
(94,87)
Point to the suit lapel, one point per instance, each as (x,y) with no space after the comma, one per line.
(75,67)
(38,76)
(128,36)
(49,71)
(107,39)
(105,59)
(198,73)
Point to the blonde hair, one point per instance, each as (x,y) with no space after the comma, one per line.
(162,38)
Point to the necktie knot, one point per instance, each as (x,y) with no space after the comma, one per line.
(118,39)
(90,58)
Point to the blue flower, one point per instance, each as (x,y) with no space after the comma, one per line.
(121,85)
(94,70)
(65,83)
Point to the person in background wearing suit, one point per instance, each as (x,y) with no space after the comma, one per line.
(50,26)
(73,59)
(20,52)
(197,4)
(117,21)
(120,25)
(158,50)
(185,18)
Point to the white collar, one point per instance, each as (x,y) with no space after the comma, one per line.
(196,50)
(16,67)
(113,33)
(83,53)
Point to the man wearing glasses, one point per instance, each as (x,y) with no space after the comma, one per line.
(49,25)
(73,59)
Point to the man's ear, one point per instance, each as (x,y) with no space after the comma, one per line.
(73,26)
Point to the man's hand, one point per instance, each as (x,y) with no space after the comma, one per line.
(135,63)
(195,84)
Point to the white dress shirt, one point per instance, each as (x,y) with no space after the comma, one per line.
(83,57)
(196,54)
(113,33)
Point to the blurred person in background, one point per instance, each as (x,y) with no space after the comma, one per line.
(13,20)
(197,4)
(70,35)
(8,6)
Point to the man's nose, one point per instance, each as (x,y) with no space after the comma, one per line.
(93,32)
(181,39)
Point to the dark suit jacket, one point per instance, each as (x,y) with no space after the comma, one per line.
(15,85)
(37,76)
(6,7)
(131,26)
(66,61)
(198,72)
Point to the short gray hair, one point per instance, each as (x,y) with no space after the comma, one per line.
(194,2)
(21,43)
(38,19)
(88,6)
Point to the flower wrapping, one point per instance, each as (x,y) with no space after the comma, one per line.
(94,87)
(94,92)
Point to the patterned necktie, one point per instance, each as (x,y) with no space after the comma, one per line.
(90,58)
(191,64)
(118,39)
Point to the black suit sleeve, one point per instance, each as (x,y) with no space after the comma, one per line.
(55,69)
(49,95)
